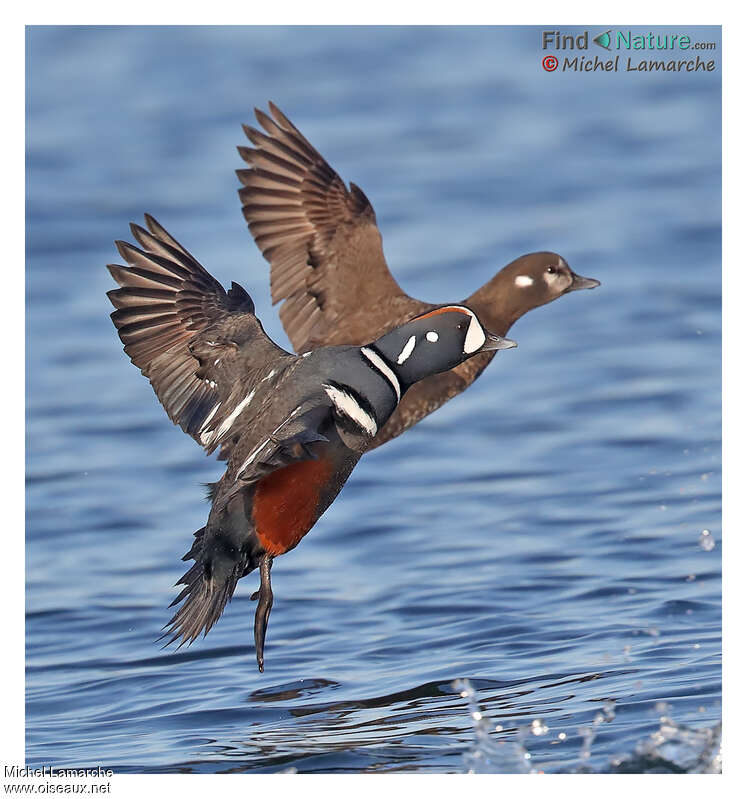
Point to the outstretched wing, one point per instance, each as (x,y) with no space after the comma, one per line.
(320,238)
(187,335)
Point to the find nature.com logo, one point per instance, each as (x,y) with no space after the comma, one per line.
(672,45)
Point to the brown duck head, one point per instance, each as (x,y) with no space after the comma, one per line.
(526,283)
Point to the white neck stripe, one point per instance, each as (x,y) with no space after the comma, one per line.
(381,366)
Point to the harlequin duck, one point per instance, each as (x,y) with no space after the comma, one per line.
(327,264)
(291,428)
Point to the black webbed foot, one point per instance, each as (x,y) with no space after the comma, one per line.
(262,614)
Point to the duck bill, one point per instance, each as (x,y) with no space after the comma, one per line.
(579,282)
(494,342)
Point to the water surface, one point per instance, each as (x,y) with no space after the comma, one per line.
(541,535)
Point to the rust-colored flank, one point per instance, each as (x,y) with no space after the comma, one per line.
(286,501)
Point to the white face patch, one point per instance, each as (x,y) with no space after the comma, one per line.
(523,280)
(475,335)
(381,366)
(432,336)
(406,350)
(348,406)
(551,277)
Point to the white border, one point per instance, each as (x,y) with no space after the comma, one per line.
(470,12)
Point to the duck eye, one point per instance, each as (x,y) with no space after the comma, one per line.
(552,269)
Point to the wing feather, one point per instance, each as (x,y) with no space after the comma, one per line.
(165,304)
(320,238)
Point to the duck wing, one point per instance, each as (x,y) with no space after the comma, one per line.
(320,238)
(197,344)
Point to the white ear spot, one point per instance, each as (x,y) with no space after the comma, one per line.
(432,336)
(475,336)
(523,280)
(406,350)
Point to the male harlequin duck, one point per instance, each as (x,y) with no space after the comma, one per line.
(327,264)
(291,428)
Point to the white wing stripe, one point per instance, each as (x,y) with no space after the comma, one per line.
(224,428)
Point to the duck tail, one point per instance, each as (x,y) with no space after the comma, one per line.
(208,586)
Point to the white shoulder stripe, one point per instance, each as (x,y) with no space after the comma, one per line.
(380,364)
(252,455)
(349,406)
(255,452)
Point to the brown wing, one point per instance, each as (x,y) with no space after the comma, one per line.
(321,239)
(188,336)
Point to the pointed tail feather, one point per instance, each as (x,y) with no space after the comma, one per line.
(205,595)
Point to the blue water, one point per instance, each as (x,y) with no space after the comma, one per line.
(540,535)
